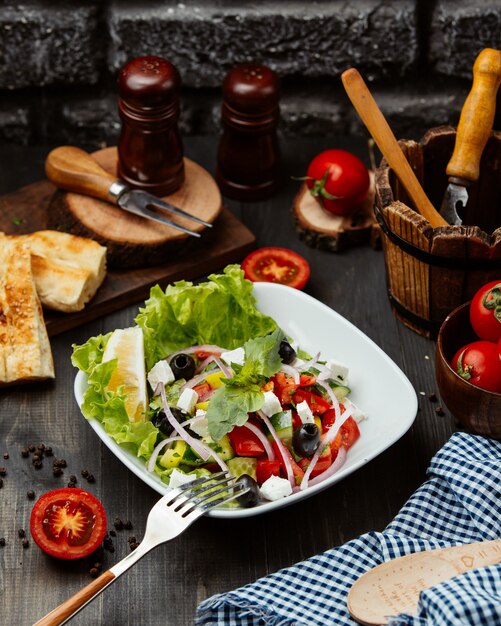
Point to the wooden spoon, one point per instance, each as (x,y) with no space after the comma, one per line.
(382,134)
(394,587)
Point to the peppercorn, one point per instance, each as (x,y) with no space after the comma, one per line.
(94,572)
(2,542)
(1,483)
(38,465)
(118,524)
(439,411)
(48,451)
(5,455)
(25,453)
(84,473)
(26,543)
(57,471)
(3,471)
(31,494)
(128,525)
(21,533)
(432,397)
(91,479)
(73,478)
(31,447)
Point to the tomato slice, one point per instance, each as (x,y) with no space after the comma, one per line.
(276,265)
(316,403)
(245,442)
(323,463)
(68,523)
(203,390)
(348,433)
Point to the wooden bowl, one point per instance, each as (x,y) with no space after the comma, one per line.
(478,410)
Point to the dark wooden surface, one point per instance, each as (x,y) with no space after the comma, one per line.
(214,555)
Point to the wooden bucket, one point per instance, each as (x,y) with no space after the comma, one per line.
(430,271)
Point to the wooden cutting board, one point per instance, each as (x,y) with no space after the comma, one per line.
(25,210)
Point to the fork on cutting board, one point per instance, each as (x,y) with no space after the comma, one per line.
(170,516)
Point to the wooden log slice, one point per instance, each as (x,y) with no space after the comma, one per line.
(133,241)
(325,231)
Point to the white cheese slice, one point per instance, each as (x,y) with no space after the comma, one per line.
(177,478)
(275,488)
(304,412)
(201,426)
(357,414)
(187,400)
(161,372)
(339,371)
(234,356)
(271,404)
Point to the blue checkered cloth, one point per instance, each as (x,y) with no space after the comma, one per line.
(459,503)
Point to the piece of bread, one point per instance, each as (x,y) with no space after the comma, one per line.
(68,270)
(25,353)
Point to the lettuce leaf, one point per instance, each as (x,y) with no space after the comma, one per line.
(221,311)
(242,394)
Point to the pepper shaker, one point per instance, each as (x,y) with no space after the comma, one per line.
(150,149)
(248,156)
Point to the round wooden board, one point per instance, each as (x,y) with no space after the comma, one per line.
(133,241)
(325,231)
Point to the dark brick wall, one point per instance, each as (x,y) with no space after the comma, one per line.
(59,60)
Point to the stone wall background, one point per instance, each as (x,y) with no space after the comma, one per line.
(59,60)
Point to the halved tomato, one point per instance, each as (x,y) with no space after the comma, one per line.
(276,265)
(68,523)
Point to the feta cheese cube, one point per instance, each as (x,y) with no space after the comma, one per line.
(339,371)
(358,415)
(161,372)
(275,488)
(234,356)
(304,412)
(271,404)
(177,478)
(200,427)
(187,400)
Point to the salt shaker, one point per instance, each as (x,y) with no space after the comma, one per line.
(248,156)
(150,149)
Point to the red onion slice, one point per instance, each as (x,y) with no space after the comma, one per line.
(262,438)
(204,363)
(331,434)
(226,371)
(338,463)
(199,348)
(332,396)
(194,381)
(281,447)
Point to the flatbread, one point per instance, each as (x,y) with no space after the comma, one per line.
(68,270)
(25,353)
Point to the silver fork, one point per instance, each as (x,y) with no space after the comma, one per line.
(170,516)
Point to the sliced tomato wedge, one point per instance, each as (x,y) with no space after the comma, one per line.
(324,462)
(68,523)
(296,470)
(317,404)
(244,442)
(348,433)
(276,265)
(203,390)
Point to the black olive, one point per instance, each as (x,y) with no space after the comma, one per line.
(162,423)
(183,366)
(286,352)
(251,497)
(306,439)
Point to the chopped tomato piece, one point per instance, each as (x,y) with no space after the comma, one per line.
(203,390)
(306,380)
(324,461)
(265,469)
(316,403)
(203,354)
(296,420)
(68,523)
(296,470)
(276,265)
(284,387)
(244,442)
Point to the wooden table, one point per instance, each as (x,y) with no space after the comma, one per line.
(214,555)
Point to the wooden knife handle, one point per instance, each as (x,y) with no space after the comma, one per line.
(477,117)
(68,608)
(75,170)
(382,134)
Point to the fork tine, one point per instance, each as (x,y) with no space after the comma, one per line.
(237,490)
(154,201)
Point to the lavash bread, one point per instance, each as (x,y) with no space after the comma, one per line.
(68,270)
(25,353)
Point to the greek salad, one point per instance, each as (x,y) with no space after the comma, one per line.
(205,382)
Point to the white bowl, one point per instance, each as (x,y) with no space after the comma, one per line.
(379,388)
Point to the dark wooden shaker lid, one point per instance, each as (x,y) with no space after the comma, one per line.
(149,81)
(251,89)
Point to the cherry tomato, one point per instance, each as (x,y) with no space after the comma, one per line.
(265,469)
(478,363)
(276,265)
(68,523)
(485,311)
(338,180)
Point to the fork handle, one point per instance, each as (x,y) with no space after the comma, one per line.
(75,170)
(68,608)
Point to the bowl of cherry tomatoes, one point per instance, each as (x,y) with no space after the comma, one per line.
(468,362)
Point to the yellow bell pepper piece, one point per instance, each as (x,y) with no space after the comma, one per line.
(202,405)
(214,380)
